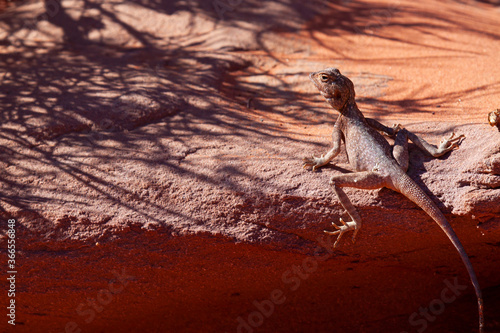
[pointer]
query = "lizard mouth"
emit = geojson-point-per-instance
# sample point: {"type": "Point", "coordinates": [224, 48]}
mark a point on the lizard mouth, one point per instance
{"type": "Point", "coordinates": [326, 95]}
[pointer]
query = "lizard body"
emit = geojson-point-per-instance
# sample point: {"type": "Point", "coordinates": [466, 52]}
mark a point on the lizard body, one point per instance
{"type": "Point", "coordinates": [376, 163]}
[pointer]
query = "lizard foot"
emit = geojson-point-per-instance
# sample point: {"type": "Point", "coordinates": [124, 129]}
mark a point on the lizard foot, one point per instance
{"type": "Point", "coordinates": [314, 162]}
{"type": "Point", "coordinates": [449, 144]}
{"type": "Point", "coordinates": [346, 226]}
{"type": "Point", "coordinates": [395, 129]}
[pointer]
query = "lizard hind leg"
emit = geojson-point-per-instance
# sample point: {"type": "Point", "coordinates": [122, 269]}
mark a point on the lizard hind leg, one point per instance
{"type": "Point", "coordinates": [362, 180]}
{"type": "Point", "coordinates": [354, 224]}
{"type": "Point", "coordinates": [400, 149]}
{"type": "Point", "coordinates": [445, 146]}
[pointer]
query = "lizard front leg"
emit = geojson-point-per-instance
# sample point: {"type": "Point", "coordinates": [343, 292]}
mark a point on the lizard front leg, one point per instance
{"type": "Point", "coordinates": [362, 180]}
{"type": "Point", "coordinates": [389, 131]}
{"type": "Point", "coordinates": [318, 162]}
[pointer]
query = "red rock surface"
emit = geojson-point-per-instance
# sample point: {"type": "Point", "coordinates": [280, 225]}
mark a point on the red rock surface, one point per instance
{"type": "Point", "coordinates": [150, 153]}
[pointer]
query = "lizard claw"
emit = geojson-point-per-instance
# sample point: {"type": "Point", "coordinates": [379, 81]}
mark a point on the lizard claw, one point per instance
{"type": "Point", "coordinates": [450, 143]}
{"type": "Point", "coordinates": [341, 230]}
{"type": "Point", "coordinates": [396, 128]}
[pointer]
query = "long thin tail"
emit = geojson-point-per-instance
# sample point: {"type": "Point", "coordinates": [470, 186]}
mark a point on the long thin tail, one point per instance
{"type": "Point", "coordinates": [412, 191]}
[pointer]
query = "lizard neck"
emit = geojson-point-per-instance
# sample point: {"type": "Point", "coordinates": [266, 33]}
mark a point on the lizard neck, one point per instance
{"type": "Point", "coordinates": [351, 111]}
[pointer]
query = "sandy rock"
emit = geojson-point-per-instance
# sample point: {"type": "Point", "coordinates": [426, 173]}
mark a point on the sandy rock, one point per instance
{"type": "Point", "coordinates": [151, 152]}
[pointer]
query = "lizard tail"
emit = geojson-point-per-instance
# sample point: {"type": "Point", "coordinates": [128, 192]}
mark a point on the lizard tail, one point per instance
{"type": "Point", "coordinates": [406, 186]}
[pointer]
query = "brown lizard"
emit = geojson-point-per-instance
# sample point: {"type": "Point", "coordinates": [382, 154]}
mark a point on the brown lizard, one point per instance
{"type": "Point", "coordinates": [376, 163]}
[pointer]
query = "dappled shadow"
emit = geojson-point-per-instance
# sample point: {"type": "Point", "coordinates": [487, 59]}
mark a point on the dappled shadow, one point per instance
{"type": "Point", "coordinates": [75, 102]}
{"type": "Point", "coordinates": [81, 81]}
{"type": "Point", "coordinates": [152, 113]}
{"type": "Point", "coordinates": [490, 2]}
{"type": "Point", "coordinates": [393, 21]}
{"type": "Point", "coordinates": [424, 106]}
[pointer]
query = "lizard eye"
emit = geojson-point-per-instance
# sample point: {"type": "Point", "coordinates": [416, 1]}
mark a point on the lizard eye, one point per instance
{"type": "Point", "coordinates": [323, 77]}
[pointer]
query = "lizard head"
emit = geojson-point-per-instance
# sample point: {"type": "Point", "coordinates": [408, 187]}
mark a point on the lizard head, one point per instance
{"type": "Point", "coordinates": [335, 87]}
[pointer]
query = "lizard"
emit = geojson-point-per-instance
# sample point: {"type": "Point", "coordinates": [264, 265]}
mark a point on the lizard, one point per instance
{"type": "Point", "coordinates": [376, 163]}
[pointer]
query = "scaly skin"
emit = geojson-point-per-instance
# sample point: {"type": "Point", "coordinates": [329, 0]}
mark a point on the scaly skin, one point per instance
{"type": "Point", "coordinates": [376, 163]}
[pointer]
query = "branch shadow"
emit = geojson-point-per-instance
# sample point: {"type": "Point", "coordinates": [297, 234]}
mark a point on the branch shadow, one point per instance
{"type": "Point", "coordinates": [83, 84]}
